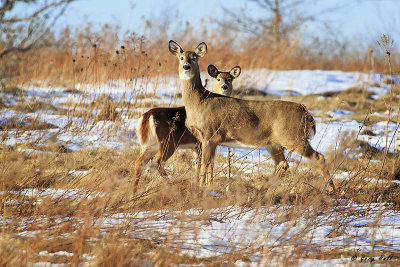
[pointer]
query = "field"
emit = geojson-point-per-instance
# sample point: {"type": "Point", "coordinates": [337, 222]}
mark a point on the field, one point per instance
{"type": "Point", "coordinates": [67, 159]}
{"type": "Point", "coordinates": [68, 112]}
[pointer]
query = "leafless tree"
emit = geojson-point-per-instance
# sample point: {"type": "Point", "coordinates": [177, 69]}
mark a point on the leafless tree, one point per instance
{"type": "Point", "coordinates": [282, 18]}
{"type": "Point", "coordinates": [21, 33]}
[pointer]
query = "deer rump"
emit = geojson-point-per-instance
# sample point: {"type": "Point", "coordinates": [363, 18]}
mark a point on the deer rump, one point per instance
{"type": "Point", "coordinates": [167, 127]}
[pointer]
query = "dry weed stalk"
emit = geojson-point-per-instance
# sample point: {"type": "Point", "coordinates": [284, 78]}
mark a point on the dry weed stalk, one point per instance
{"type": "Point", "coordinates": [90, 57]}
{"type": "Point", "coordinates": [386, 43]}
{"type": "Point", "coordinates": [106, 225]}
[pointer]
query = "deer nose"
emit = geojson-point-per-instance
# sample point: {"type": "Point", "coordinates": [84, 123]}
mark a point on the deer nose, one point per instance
{"type": "Point", "coordinates": [224, 86]}
{"type": "Point", "coordinates": [186, 67]}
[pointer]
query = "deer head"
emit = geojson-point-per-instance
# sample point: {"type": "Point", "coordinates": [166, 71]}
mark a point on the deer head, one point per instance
{"type": "Point", "coordinates": [188, 61]}
{"type": "Point", "coordinates": [223, 80]}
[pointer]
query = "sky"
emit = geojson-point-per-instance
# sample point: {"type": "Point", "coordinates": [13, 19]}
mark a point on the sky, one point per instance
{"type": "Point", "coordinates": [361, 20]}
{"type": "Point", "coordinates": [350, 19]}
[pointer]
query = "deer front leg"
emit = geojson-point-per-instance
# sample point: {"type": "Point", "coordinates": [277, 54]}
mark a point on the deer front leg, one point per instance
{"type": "Point", "coordinates": [207, 162]}
{"type": "Point", "coordinates": [197, 150]}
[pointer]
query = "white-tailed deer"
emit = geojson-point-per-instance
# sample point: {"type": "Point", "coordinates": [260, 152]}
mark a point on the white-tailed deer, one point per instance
{"type": "Point", "coordinates": [214, 118]}
{"type": "Point", "coordinates": [162, 130]}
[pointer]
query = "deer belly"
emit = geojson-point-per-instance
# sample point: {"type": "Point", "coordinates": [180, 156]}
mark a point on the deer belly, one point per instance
{"type": "Point", "coordinates": [187, 146]}
{"type": "Point", "coordinates": [235, 144]}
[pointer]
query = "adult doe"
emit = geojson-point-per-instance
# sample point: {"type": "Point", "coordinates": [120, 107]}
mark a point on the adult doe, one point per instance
{"type": "Point", "coordinates": [214, 119]}
{"type": "Point", "coordinates": [162, 130]}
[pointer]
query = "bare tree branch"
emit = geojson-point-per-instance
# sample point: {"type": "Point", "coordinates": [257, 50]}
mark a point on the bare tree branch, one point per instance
{"type": "Point", "coordinates": [282, 18]}
{"type": "Point", "coordinates": [36, 13]}
{"type": "Point", "coordinates": [21, 34]}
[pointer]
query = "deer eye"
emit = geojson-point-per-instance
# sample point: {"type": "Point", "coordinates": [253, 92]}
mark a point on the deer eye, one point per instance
{"type": "Point", "coordinates": [182, 58]}
{"type": "Point", "coordinates": [193, 59]}
{"type": "Point", "coordinates": [228, 80]}
{"type": "Point", "coordinates": [219, 79]}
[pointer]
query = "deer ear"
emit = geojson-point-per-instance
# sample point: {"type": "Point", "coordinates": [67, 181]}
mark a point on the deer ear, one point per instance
{"type": "Point", "coordinates": [201, 49]}
{"type": "Point", "coordinates": [213, 71]}
{"type": "Point", "coordinates": [174, 48]}
{"type": "Point", "coordinates": [235, 72]}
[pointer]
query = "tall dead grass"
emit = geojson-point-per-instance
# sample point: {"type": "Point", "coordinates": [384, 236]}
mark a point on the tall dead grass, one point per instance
{"type": "Point", "coordinates": [99, 221]}
{"type": "Point", "coordinates": [88, 56]}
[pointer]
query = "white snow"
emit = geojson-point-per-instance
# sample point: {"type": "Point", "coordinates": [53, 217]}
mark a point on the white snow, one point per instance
{"type": "Point", "coordinates": [216, 232]}
{"type": "Point", "coordinates": [109, 134]}
{"type": "Point", "coordinates": [305, 82]}
{"type": "Point", "coordinates": [347, 227]}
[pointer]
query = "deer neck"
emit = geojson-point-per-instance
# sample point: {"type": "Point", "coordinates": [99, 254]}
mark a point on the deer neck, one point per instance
{"type": "Point", "coordinates": [192, 91]}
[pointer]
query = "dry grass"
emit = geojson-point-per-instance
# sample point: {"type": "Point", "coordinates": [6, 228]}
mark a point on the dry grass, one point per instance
{"type": "Point", "coordinates": [82, 225]}
{"type": "Point", "coordinates": [74, 225]}
{"type": "Point", "coordinates": [75, 228]}
{"type": "Point", "coordinates": [96, 57]}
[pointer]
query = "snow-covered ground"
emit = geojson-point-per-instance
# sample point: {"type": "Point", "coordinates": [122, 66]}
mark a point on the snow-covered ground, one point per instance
{"type": "Point", "coordinates": [267, 235]}
{"type": "Point", "coordinates": [233, 228]}
{"type": "Point", "coordinates": [303, 82]}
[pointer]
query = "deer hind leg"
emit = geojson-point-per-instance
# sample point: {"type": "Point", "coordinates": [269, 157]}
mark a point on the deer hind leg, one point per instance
{"type": "Point", "coordinates": [207, 163]}
{"type": "Point", "coordinates": [145, 156]}
{"type": "Point", "coordinates": [166, 151]}
{"type": "Point", "coordinates": [281, 164]}
{"type": "Point", "coordinates": [311, 154]}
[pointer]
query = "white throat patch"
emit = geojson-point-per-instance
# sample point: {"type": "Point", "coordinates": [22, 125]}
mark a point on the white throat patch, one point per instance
{"type": "Point", "coordinates": [187, 75]}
